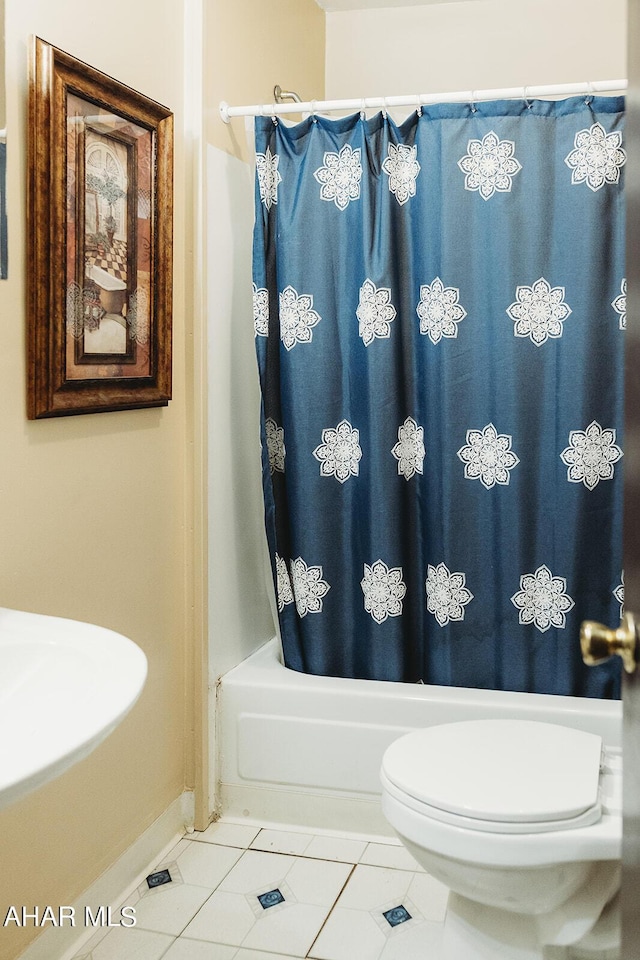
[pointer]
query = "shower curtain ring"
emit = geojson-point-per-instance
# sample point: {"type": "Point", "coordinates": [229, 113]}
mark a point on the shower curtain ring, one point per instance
{"type": "Point", "coordinates": [384, 107]}
{"type": "Point", "coordinates": [526, 98]}
{"type": "Point", "coordinates": [314, 119]}
{"type": "Point", "coordinates": [472, 102]}
{"type": "Point", "coordinates": [273, 115]}
{"type": "Point", "coordinates": [363, 109]}
{"type": "Point", "coordinates": [419, 105]}
{"type": "Point", "coordinates": [589, 97]}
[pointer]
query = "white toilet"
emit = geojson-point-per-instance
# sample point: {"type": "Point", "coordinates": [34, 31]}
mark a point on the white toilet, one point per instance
{"type": "Point", "coordinates": [522, 821]}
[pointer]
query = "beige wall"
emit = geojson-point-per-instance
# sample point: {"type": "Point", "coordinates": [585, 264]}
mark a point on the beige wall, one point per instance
{"type": "Point", "coordinates": [471, 45]}
{"type": "Point", "coordinates": [252, 45]}
{"type": "Point", "coordinates": [92, 508]}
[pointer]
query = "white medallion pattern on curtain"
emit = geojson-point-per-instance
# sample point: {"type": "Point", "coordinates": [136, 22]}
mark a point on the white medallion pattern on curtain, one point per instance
{"type": "Point", "coordinates": [542, 600]}
{"type": "Point", "coordinates": [439, 310]}
{"type": "Point", "coordinates": [409, 450]}
{"type": "Point", "coordinates": [539, 311]}
{"type": "Point", "coordinates": [297, 317]}
{"type": "Point", "coordinates": [340, 452]}
{"type": "Point", "coordinates": [260, 311]}
{"type": "Point", "coordinates": [597, 157]}
{"type": "Point", "coordinates": [402, 167]}
{"type": "Point", "coordinates": [383, 589]}
{"type": "Point", "coordinates": [308, 587]}
{"type": "Point", "coordinates": [591, 455]}
{"type": "Point", "coordinates": [375, 312]}
{"type": "Point", "coordinates": [447, 595]}
{"type": "Point", "coordinates": [268, 177]}
{"type": "Point", "coordinates": [619, 594]}
{"type": "Point", "coordinates": [488, 457]}
{"type": "Point", "coordinates": [284, 589]}
{"type": "Point", "coordinates": [275, 445]}
{"type": "Point", "coordinates": [340, 176]}
{"type": "Point", "coordinates": [489, 165]}
{"type": "Point", "coordinates": [620, 304]}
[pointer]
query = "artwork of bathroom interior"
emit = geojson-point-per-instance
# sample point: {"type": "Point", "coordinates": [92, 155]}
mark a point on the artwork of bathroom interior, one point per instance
{"type": "Point", "coordinates": [324, 694]}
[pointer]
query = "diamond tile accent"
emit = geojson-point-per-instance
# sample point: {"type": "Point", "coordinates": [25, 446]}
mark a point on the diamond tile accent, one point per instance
{"type": "Point", "coordinates": [396, 916]}
{"type": "Point", "coordinates": [270, 899]}
{"type": "Point", "coordinates": [158, 878]}
{"type": "Point", "coordinates": [266, 903]}
{"type": "Point", "coordinates": [166, 876]}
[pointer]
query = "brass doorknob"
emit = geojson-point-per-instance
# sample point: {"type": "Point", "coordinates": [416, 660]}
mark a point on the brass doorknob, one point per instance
{"type": "Point", "coordinates": [598, 642]}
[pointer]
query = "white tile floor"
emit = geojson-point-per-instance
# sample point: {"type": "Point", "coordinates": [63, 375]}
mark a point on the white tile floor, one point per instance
{"type": "Point", "coordinates": [238, 892]}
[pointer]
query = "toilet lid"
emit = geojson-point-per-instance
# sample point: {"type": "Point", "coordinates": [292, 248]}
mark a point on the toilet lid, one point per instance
{"type": "Point", "coordinates": [498, 770]}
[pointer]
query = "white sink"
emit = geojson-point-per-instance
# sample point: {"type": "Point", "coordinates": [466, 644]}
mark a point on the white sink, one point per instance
{"type": "Point", "coordinates": [64, 686]}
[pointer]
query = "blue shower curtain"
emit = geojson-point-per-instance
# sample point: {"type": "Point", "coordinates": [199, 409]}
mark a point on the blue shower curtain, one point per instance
{"type": "Point", "coordinates": [439, 311]}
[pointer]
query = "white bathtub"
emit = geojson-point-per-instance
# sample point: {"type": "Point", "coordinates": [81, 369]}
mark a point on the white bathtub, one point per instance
{"type": "Point", "coordinates": [306, 750]}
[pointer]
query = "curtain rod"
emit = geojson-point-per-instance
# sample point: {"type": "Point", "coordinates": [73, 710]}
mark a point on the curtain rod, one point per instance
{"type": "Point", "coordinates": [423, 99]}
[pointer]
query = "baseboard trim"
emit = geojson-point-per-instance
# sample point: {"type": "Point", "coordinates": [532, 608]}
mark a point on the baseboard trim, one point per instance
{"type": "Point", "coordinates": [314, 811]}
{"type": "Point", "coordinates": [118, 881]}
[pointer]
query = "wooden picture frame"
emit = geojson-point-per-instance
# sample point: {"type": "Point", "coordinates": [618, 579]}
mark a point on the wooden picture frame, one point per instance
{"type": "Point", "coordinates": [100, 212]}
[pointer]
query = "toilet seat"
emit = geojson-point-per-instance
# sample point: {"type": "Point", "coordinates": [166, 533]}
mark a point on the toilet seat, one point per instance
{"type": "Point", "coordinates": [498, 776]}
{"type": "Point", "coordinates": [585, 819]}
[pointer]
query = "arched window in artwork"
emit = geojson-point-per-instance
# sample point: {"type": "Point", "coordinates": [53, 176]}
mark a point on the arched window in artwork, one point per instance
{"type": "Point", "coordinates": [106, 191]}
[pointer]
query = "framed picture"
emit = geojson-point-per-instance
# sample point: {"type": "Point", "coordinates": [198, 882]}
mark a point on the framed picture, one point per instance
{"type": "Point", "coordinates": [100, 212]}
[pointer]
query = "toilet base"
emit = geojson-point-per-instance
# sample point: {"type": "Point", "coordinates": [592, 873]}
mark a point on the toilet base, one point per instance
{"type": "Point", "coordinates": [475, 931]}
